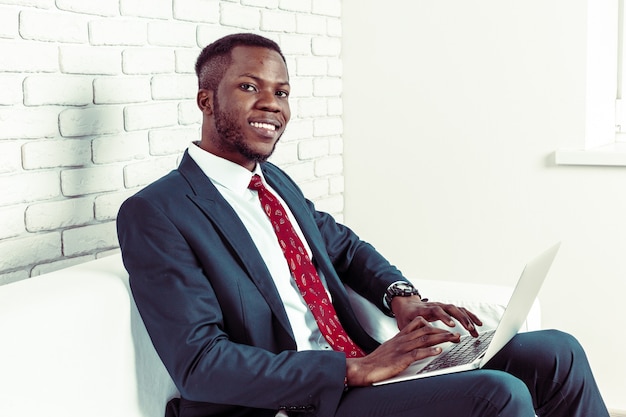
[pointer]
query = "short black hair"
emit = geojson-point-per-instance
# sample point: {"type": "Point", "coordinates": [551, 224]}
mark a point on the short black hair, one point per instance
{"type": "Point", "coordinates": [215, 57]}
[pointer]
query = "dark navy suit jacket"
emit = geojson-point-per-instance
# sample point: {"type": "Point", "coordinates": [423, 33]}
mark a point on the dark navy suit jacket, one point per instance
{"type": "Point", "coordinates": [212, 309]}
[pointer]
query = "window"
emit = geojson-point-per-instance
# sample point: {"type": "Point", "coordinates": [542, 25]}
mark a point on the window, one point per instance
{"type": "Point", "coordinates": [605, 127]}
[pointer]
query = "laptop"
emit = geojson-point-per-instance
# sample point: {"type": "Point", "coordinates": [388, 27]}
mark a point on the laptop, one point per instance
{"type": "Point", "coordinates": [473, 353]}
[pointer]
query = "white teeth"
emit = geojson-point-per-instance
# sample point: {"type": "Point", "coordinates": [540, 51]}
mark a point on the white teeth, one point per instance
{"type": "Point", "coordinates": [266, 126]}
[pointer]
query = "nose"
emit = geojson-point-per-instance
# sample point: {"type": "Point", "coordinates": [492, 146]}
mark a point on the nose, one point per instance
{"type": "Point", "coordinates": [268, 101]}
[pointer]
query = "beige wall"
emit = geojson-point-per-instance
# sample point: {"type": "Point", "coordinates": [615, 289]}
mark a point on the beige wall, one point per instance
{"type": "Point", "coordinates": [452, 113]}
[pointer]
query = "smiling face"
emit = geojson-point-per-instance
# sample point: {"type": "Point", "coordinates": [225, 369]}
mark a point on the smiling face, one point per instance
{"type": "Point", "coordinates": [244, 119]}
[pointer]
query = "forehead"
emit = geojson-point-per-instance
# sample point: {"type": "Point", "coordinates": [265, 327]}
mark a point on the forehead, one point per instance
{"type": "Point", "coordinates": [258, 61]}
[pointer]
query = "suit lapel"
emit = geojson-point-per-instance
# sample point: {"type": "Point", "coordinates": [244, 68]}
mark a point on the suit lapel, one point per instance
{"type": "Point", "coordinates": [307, 224]}
{"type": "Point", "coordinates": [208, 199]}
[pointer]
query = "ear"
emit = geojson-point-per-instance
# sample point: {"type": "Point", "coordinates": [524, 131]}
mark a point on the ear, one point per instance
{"type": "Point", "coordinates": [205, 101]}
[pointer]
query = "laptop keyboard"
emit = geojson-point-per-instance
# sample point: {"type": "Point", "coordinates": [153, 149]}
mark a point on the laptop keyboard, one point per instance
{"type": "Point", "coordinates": [466, 351]}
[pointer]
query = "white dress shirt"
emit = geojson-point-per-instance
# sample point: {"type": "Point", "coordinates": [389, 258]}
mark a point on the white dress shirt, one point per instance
{"type": "Point", "coordinates": [232, 180]}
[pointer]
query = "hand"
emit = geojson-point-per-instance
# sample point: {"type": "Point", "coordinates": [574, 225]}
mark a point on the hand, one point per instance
{"type": "Point", "coordinates": [407, 308]}
{"type": "Point", "coordinates": [417, 340]}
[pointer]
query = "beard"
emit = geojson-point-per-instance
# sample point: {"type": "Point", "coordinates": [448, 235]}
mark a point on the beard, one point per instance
{"type": "Point", "coordinates": [231, 137]}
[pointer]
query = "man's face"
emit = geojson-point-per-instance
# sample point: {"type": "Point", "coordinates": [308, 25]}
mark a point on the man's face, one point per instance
{"type": "Point", "coordinates": [250, 107]}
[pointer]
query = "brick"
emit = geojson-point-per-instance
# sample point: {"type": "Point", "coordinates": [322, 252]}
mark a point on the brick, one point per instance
{"type": "Point", "coordinates": [27, 187]}
{"type": "Point", "coordinates": [328, 126]}
{"type": "Point", "coordinates": [301, 87]}
{"type": "Point", "coordinates": [116, 148]}
{"type": "Point", "coordinates": [57, 265]}
{"type": "Point", "coordinates": [285, 153]}
{"type": "Point", "coordinates": [332, 204]}
{"type": "Point", "coordinates": [295, 44]}
{"type": "Point", "coordinates": [311, 24]}
{"type": "Point", "coordinates": [83, 181]}
{"type": "Point", "coordinates": [100, 7]}
{"type": "Point", "coordinates": [56, 153]}
{"type": "Point", "coordinates": [311, 66]}
{"type": "Point", "coordinates": [148, 60]}
{"type": "Point", "coordinates": [148, 116]}
{"type": "Point", "coordinates": [109, 252]}
{"type": "Point", "coordinates": [268, 4]}
{"type": "Point", "coordinates": [188, 113]}
{"type": "Point", "coordinates": [302, 171]}
{"type": "Point", "coordinates": [107, 205]}
{"type": "Point", "coordinates": [206, 11]}
{"type": "Point", "coordinates": [11, 89]}
{"type": "Point", "coordinates": [41, 4]}
{"type": "Point", "coordinates": [327, 87]}
{"type": "Point", "coordinates": [29, 250]}
{"type": "Point", "coordinates": [97, 120]}
{"type": "Point", "coordinates": [156, 9]}
{"type": "Point", "coordinates": [28, 123]}
{"type": "Point", "coordinates": [11, 221]}
{"type": "Point", "coordinates": [330, 165]}
{"type": "Point", "coordinates": [335, 67]}
{"type": "Point", "coordinates": [337, 184]}
{"type": "Point", "coordinates": [295, 5]}
{"type": "Point", "coordinates": [90, 60]}
{"type": "Point", "coordinates": [278, 21]}
{"type": "Point", "coordinates": [298, 129]}
{"type": "Point", "coordinates": [171, 141]}
{"type": "Point", "coordinates": [312, 107]}
{"type": "Point", "coordinates": [334, 27]}
{"type": "Point", "coordinates": [174, 87]}
{"type": "Point", "coordinates": [336, 145]}
{"type": "Point", "coordinates": [335, 106]}
{"type": "Point", "coordinates": [50, 26]}
{"type": "Point", "coordinates": [186, 60]}
{"type": "Point", "coordinates": [121, 90]}
{"type": "Point", "coordinates": [89, 238]}
{"type": "Point", "coordinates": [143, 173]}
{"type": "Point", "coordinates": [59, 214]}
{"type": "Point", "coordinates": [207, 34]}
{"type": "Point", "coordinates": [34, 57]}
{"type": "Point", "coordinates": [9, 22]}
{"type": "Point", "coordinates": [172, 34]}
{"type": "Point", "coordinates": [118, 32]}
{"type": "Point", "coordinates": [315, 189]}
{"type": "Point", "coordinates": [62, 90]}
{"type": "Point", "coordinates": [313, 149]}
{"type": "Point", "coordinates": [326, 46]}
{"type": "Point", "coordinates": [327, 7]}
{"type": "Point", "coordinates": [14, 276]}
{"type": "Point", "coordinates": [10, 157]}
{"type": "Point", "coordinates": [239, 16]}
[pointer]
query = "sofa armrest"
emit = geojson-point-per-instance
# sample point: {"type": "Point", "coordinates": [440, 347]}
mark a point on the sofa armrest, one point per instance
{"type": "Point", "coordinates": [486, 301]}
{"type": "Point", "coordinates": [73, 345]}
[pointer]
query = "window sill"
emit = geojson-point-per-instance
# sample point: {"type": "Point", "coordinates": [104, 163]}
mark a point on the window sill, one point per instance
{"type": "Point", "coordinates": [613, 154]}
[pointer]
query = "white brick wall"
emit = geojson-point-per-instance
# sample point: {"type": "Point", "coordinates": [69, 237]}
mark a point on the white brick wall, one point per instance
{"type": "Point", "coordinates": [97, 99]}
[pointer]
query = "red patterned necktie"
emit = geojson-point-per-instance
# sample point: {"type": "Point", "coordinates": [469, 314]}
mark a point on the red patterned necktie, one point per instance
{"type": "Point", "coordinates": [304, 273]}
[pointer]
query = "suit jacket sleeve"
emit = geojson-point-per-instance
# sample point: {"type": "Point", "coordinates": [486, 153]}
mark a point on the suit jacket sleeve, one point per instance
{"type": "Point", "coordinates": [198, 315]}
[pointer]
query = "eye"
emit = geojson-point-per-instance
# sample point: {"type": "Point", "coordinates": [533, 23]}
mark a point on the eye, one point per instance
{"type": "Point", "coordinates": [247, 87]}
{"type": "Point", "coordinates": [282, 93]}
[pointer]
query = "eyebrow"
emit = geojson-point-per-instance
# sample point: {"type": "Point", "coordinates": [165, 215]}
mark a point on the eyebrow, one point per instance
{"type": "Point", "coordinates": [260, 80]}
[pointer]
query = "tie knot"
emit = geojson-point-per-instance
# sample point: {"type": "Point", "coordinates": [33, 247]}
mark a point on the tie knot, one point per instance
{"type": "Point", "coordinates": [256, 183]}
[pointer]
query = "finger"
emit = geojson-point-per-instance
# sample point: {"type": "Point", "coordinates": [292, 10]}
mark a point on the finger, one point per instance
{"type": "Point", "coordinates": [474, 317]}
{"type": "Point", "coordinates": [425, 337]}
{"type": "Point", "coordinates": [426, 352]}
{"type": "Point", "coordinates": [417, 323]}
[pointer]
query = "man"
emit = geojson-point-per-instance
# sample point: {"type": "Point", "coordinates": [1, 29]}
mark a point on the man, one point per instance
{"type": "Point", "coordinates": [233, 270]}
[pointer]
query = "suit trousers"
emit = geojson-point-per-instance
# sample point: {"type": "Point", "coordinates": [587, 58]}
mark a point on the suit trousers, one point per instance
{"type": "Point", "coordinates": [544, 373]}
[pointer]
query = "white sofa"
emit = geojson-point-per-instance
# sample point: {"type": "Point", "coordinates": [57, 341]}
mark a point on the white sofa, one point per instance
{"type": "Point", "coordinates": [73, 345]}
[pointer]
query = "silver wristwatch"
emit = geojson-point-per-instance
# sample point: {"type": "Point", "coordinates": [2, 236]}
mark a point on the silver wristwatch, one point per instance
{"type": "Point", "coordinates": [399, 289]}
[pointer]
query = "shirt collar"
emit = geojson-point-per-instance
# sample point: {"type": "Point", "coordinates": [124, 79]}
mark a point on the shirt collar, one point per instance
{"type": "Point", "coordinates": [222, 171]}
